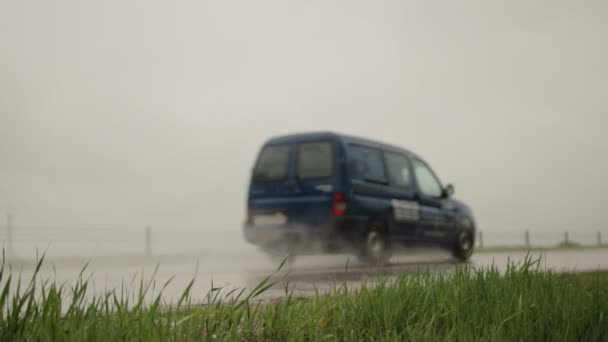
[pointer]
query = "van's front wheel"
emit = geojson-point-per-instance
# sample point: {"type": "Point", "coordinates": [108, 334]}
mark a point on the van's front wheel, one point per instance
{"type": "Point", "coordinates": [375, 249]}
{"type": "Point", "coordinates": [463, 246]}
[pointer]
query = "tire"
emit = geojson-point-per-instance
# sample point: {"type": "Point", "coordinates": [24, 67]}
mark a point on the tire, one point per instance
{"type": "Point", "coordinates": [463, 246]}
{"type": "Point", "coordinates": [375, 249]}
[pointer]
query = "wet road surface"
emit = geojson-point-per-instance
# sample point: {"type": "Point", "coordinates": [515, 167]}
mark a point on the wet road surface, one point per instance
{"type": "Point", "coordinates": [306, 276]}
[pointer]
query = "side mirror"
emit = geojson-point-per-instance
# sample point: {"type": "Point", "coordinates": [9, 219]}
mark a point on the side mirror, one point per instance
{"type": "Point", "coordinates": [448, 191]}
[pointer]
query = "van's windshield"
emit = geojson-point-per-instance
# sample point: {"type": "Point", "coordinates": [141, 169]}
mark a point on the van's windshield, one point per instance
{"type": "Point", "coordinates": [272, 164]}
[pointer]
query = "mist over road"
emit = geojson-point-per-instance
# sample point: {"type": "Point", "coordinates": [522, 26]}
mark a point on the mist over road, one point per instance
{"type": "Point", "coordinates": [304, 277]}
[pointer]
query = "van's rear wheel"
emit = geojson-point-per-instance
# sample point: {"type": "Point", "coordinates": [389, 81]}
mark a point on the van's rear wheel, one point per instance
{"type": "Point", "coordinates": [463, 246]}
{"type": "Point", "coordinates": [375, 249]}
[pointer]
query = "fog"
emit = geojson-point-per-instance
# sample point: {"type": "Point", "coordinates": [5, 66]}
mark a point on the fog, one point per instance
{"type": "Point", "coordinates": [127, 114]}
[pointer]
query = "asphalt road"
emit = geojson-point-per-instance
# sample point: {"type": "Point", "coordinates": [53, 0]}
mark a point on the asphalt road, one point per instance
{"type": "Point", "coordinates": [304, 277]}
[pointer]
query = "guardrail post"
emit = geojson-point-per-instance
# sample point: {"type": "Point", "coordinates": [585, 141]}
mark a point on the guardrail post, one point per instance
{"type": "Point", "coordinates": [527, 238]}
{"type": "Point", "coordinates": [148, 241]}
{"type": "Point", "coordinates": [566, 240]}
{"type": "Point", "coordinates": [599, 238]}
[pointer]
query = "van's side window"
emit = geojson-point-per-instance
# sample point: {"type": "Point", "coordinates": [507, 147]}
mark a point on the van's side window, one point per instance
{"type": "Point", "coordinates": [272, 164]}
{"type": "Point", "coordinates": [398, 167]}
{"type": "Point", "coordinates": [315, 160]}
{"type": "Point", "coordinates": [367, 164]}
{"type": "Point", "coordinates": [428, 183]}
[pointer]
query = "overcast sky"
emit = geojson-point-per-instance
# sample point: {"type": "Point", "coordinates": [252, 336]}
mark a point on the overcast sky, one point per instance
{"type": "Point", "coordinates": [127, 113]}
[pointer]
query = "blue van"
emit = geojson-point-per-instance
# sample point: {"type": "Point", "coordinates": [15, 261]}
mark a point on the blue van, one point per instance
{"type": "Point", "coordinates": [328, 192]}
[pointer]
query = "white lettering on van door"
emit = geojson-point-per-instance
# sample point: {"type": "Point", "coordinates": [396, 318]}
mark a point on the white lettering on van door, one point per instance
{"type": "Point", "coordinates": [406, 211]}
{"type": "Point", "coordinates": [324, 188]}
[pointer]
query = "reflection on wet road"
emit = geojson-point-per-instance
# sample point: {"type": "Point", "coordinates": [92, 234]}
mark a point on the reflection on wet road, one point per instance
{"type": "Point", "coordinates": [311, 275]}
{"type": "Point", "coordinates": [304, 277]}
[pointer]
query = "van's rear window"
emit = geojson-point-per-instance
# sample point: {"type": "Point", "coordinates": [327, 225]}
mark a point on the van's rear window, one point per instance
{"type": "Point", "coordinates": [272, 164]}
{"type": "Point", "coordinates": [315, 160]}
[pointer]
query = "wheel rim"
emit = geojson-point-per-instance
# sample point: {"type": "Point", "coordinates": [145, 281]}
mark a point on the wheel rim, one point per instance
{"type": "Point", "coordinates": [465, 242]}
{"type": "Point", "coordinates": [375, 245]}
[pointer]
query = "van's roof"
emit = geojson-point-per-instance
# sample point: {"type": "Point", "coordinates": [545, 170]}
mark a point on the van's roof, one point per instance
{"type": "Point", "coordinates": [312, 136]}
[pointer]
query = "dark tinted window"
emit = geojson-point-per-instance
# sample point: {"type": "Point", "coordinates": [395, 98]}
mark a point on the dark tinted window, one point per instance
{"type": "Point", "coordinates": [398, 168]}
{"type": "Point", "coordinates": [272, 164]}
{"type": "Point", "coordinates": [315, 160]}
{"type": "Point", "coordinates": [367, 164]}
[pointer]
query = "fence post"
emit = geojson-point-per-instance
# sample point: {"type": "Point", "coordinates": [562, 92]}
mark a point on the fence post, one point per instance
{"type": "Point", "coordinates": [566, 240]}
{"type": "Point", "coordinates": [527, 238]}
{"type": "Point", "coordinates": [9, 234]}
{"type": "Point", "coordinates": [599, 238]}
{"type": "Point", "coordinates": [148, 241]}
{"type": "Point", "coordinates": [480, 239]}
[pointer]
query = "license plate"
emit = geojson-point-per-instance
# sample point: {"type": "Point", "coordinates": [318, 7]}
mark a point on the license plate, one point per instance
{"type": "Point", "coordinates": [269, 220]}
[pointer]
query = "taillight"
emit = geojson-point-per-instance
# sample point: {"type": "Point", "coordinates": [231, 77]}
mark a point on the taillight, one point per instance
{"type": "Point", "coordinates": [338, 207]}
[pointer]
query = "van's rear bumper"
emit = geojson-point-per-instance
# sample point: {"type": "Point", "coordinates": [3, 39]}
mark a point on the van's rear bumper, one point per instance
{"type": "Point", "coordinates": [338, 234]}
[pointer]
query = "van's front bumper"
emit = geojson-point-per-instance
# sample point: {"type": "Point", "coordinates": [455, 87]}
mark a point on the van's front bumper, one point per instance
{"type": "Point", "coordinates": [338, 234]}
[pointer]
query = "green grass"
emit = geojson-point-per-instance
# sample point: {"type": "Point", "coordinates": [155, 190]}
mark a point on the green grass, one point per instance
{"type": "Point", "coordinates": [521, 303]}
